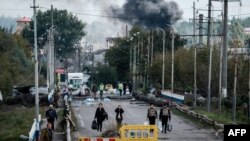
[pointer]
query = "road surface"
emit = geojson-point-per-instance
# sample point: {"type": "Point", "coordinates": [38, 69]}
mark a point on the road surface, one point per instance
{"type": "Point", "coordinates": [183, 130]}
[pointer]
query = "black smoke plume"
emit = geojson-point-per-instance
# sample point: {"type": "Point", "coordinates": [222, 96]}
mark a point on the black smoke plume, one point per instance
{"type": "Point", "coordinates": [149, 13]}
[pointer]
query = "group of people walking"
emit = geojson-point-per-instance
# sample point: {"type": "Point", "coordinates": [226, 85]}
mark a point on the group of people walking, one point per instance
{"type": "Point", "coordinates": [164, 117]}
{"type": "Point", "coordinates": [152, 115]}
{"type": "Point", "coordinates": [121, 87]}
{"type": "Point", "coordinates": [101, 115]}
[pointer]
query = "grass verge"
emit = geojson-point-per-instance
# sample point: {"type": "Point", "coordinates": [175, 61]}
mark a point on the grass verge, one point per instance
{"type": "Point", "coordinates": [16, 120]}
{"type": "Point", "coordinates": [193, 120]}
{"type": "Point", "coordinates": [224, 119]}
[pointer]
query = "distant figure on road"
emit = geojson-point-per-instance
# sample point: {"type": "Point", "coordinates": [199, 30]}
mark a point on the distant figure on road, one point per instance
{"type": "Point", "coordinates": [56, 97]}
{"type": "Point", "coordinates": [152, 114]}
{"type": "Point", "coordinates": [67, 116]}
{"type": "Point", "coordinates": [124, 88]}
{"type": "Point", "coordinates": [100, 116]}
{"type": "Point", "coordinates": [51, 115]}
{"type": "Point", "coordinates": [120, 88]}
{"type": "Point", "coordinates": [94, 90]}
{"type": "Point", "coordinates": [101, 88]}
{"type": "Point", "coordinates": [119, 111]}
{"type": "Point", "coordinates": [47, 134]}
{"type": "Point", "coordinates": [130, 86]}
{"type": "Point", "coordinates": [165, 117]}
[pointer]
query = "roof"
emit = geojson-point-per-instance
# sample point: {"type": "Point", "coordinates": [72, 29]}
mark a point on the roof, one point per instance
{"type": "Point", "coordinates": [24, 19]}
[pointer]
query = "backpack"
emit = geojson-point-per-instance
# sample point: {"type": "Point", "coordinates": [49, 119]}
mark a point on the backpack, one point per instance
{"type": "Point", "coordinates": [152, 112]}
{"type": "Point", "coordinates": [51, 114]}
{"type": "Point", "coordinates": [165, 112]}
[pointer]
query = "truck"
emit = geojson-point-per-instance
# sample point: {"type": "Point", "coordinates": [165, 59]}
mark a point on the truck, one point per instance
{"type": "Point", "coordinates": [76, 80]}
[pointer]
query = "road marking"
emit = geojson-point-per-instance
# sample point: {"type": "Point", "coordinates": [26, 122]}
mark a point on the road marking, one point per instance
{"type": "Point", "coordinates": [80, 117]}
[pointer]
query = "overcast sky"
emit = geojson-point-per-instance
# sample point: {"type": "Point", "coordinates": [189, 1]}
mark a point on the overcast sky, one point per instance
{"type": "Point", "coordinates": [100, 27]}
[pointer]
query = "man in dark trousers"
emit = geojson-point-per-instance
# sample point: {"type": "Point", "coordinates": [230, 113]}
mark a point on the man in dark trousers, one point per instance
{"type": "Point", "coordinates": [51, 115]}
{"type": "Point", "coordinates": [152, 114]}
{"type": "Point", "coordinates": [119, 111]}
{"type": "Point", "coordinates": [165, 117]}
{"type": "Point", "coordinates": [100, 115]}
{"type": "Point", "coordinates": [124, 88]}
{"type": "Point", "coordinates": [130, 86]}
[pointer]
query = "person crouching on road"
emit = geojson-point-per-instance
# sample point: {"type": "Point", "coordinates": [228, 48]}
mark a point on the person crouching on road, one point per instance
{"type": "Point", "coordinates": [119, 111]}
{"type": "Point", "coordinates": [152, 114]}
{"type": "Point", "coordinates": [100, 116]}
{"type": "Point", "coordinates": [51, 115]}
{"type": "Point", "coordinates": [165, 117]}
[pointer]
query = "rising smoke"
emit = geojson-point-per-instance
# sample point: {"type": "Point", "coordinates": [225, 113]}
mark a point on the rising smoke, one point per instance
{"type": "Point", "coordinates": [149, 13]}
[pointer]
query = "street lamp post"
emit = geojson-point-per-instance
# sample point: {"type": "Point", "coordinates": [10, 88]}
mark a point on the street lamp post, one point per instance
{"type": "Point", "coordinates": [134, 62]}
{"type": "Point", "coordinates": [36, 72]}
{"type": "Point", "coordinates": [172, 72]}
{"type": "Point", "coordinates": [163, 56]}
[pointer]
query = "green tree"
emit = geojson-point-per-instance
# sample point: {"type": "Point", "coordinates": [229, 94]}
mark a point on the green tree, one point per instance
{"type": "Point", "coordinates": [68, 31]}
{"type": "Point", "coordinates": [15, 66]}
{"type": "Point", "coordinates": [105, 74]}
{"type": "Point", "coordinates": [118, 57]}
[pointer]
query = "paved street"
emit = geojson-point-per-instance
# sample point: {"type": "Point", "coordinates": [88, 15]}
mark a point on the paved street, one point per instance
{"type": "Point", "coordinates": [183, 130]}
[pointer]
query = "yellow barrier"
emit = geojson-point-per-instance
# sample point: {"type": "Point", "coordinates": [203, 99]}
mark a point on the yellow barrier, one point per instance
{"type": "Point", "coordinates": [139, 132]}
{"type": "Point", "coordinates": [96, 139]}
{"type": "Point", "coordinates": [131, 133]}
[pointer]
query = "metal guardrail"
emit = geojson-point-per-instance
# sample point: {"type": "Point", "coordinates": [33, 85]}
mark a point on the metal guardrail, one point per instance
{"type": "Point", "coordinates": [33, 129]}
{"type": "Point", "coordinates": [68, 134]}
{"type": "Point", "coordinates": [218, 127]}
{"type": "Point", "coordinates": [68, 131]}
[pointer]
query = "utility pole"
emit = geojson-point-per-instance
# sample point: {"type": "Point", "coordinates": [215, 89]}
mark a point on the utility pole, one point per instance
{"type": "Point", "coordinates": [172, 72]}
{"type": "Point", "coordinates": [248, 81]}
{"type": "Point", "coordinates": [152, 48]}
{"type": "Point", "coordinates": [134, 69]}
{"type": "Point", "coordinates": [163, 56]}
{"type": "Point", "coordinates": [224, 56]}
{"type": "Point", "coordinates": [220, 76]}
{"type": "Point", "coordinates": [210, 55]}
{"type": "Point", "coordinates": [235, 81]}
{"type": "Point", "coordinates": [36, 72]}
{"type": "Point", "coordinates": [200, 29]}
{"type": "Point", "coordinates": [148, 48]}
{"type": "Point", "coordinates": [195, 54]}
{"type": "Point", "coordinates": [52, 49]}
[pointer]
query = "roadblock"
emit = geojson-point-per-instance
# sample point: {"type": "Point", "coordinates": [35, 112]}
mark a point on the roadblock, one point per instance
{"type": "Point", "coordinates": [131, 133]}
{"type": "Point", "coordinates": [138, 132]}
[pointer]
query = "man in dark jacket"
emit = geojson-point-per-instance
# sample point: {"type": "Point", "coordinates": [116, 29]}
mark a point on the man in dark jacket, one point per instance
{"type": "Point", "coordinates": [51, 115]}
{"type": "Point", "coordinates": [119, 111]}
{"type": "Point", "coordinates": [100, 115]}
{"type": "Point", "coordinates": [165, 117]}
{"type": "Point", "coordinates": [152, 114]}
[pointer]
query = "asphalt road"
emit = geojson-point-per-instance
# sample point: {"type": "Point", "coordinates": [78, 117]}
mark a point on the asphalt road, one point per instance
{"type": "Point", "coordinates": [183, 130]}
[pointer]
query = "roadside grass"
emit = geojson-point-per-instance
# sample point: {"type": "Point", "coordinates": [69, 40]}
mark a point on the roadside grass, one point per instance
{"type": "Point", "coordinates": [193, 120]}
{"type": "Point", "coordinates": [224, 118]}
{"type": "Point", "coordinates": [16, 120]}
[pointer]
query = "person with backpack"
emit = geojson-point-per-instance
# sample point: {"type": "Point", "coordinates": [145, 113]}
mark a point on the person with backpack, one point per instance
{"type": "Point", "coordinates": [119, 111]}
{"type": "Point", "coordinates": [165, 117]}
{"type": "Point", "coordinates": [100, 116]}
{"type": "Point", "coordinates": [152, 114]}
{"type": "Point", "coordinates": [51, 115]}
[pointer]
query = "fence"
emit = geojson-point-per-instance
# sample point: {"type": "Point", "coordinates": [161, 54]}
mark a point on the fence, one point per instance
{"type": "Point", "coordinates": [217, 126]}
{"type": "Point", "coordinates": [33, 129]}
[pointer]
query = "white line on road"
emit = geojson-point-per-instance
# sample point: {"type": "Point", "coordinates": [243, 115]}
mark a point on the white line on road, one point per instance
{"type": "Point", "coordinates": [80, 117]}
